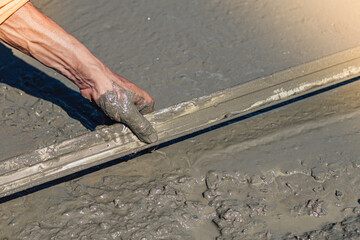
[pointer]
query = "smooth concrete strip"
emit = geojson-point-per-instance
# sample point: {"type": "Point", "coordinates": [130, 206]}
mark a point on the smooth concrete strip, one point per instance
{"type": "Point", "coordinates": [116, 141]}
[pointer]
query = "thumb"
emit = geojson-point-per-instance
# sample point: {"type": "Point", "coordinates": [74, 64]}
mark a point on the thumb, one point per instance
{"type": "Point", "coordinates": [139, 125]}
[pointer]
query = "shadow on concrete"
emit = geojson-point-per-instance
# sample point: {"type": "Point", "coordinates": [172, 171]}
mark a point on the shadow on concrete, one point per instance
{"type": "Point", "coordinates": [19, 74]}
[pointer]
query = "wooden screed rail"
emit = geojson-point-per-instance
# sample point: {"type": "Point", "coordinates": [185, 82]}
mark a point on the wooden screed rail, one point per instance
{"type": "Point", "coordinates": [109, 143]}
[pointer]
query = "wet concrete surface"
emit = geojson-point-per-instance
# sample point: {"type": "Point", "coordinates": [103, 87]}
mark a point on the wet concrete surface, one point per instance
{"type": "Point", "coordinates": [291, 173]}
{"type": "Point", "coordinates": [174, 50]}
{"type": "Point", "coordinates": [194, 48]}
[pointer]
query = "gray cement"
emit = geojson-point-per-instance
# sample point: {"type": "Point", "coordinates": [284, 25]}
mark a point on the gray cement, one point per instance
{"type": "Point", "coordinates": [292, 173]}
{"type": "Point", "coordinates": [178, 50]}
{"type": "Point", "coordinates": [174, 50]}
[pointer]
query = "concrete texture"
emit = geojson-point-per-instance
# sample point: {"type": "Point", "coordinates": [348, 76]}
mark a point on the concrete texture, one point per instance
{"type": "Point", "coordinates": [175, 50]}
{"type": "Point", "coordinates": [292, 173]}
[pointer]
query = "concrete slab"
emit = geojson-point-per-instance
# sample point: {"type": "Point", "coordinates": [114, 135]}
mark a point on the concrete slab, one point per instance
{"type": "Point", "coordinates": [116, 141]}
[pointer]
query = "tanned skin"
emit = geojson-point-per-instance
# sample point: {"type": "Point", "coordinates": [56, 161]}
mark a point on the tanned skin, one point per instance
{"type": "Point", "coordinates": [34, 34]}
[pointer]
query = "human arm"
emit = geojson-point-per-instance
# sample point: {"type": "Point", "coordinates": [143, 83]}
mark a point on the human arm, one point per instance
{"type": "Point", "coordinates": [33, 33]}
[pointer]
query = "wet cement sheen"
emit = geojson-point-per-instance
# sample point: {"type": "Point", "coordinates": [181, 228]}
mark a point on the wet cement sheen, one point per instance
{"type": "Point", "coordinates": [175, 50]}
{"type": "Point", "coordinates": [178, 50]}
{"type": "Point", "coordinates": [292, 173]}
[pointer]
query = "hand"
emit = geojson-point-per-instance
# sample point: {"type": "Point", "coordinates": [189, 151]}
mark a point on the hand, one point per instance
{"type": "Point", "coordinates": [33, 33]}
{"type": "Point", "coordinates": [126, 104]}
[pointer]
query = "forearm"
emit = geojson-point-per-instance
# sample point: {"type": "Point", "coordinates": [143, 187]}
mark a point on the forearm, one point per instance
{"type": "Point", "coordinates": [31, 32]}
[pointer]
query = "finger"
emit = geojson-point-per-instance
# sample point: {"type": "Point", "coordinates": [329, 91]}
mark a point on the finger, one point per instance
{"type": "Point", "coordinates": [142, 105]}
{"type": "Point", "coordinates": [145, 108]}
{"type": "Point", "coordinates": [139, 125]}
